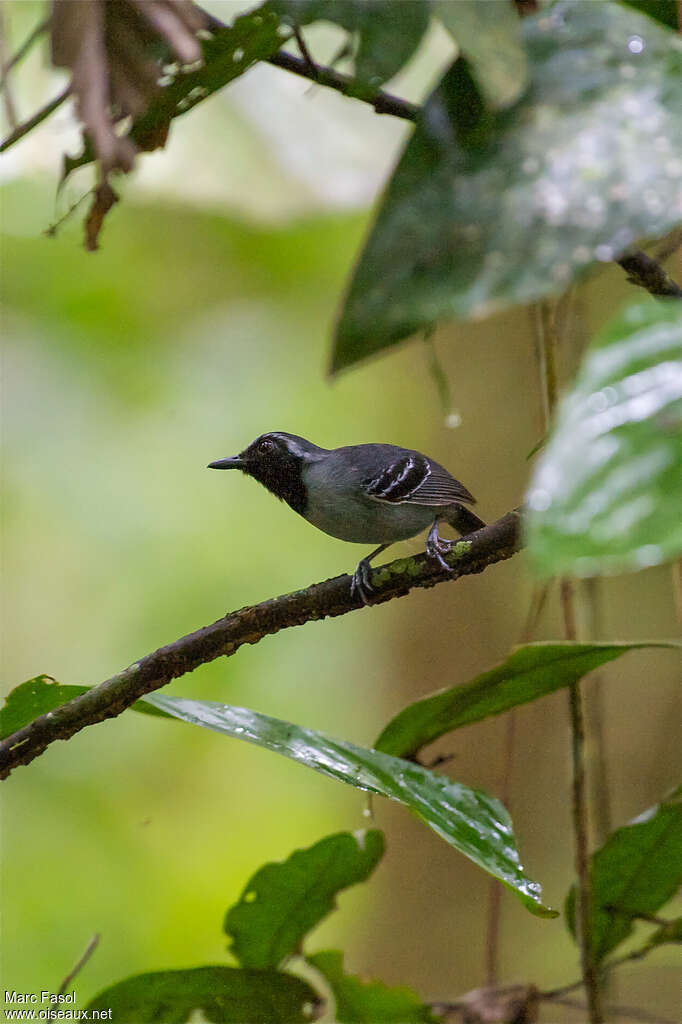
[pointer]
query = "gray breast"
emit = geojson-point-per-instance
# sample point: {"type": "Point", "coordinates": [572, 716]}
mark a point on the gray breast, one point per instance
{"type": "Point", "coordinates": [338, 506]}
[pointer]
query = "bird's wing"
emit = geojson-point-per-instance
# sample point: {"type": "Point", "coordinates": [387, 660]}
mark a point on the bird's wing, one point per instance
{"type": "Point", "coordinates": [411, 477]}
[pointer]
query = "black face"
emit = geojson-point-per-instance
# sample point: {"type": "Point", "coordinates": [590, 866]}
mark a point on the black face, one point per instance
{"type": "Point", "coordinates": [276, 462]}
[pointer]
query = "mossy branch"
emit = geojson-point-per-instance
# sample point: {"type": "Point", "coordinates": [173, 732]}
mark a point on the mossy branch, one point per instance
{"type": "Point", "coordinates": [248, 625]}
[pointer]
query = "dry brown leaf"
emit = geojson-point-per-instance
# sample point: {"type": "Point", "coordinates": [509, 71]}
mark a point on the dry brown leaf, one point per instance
{"type": "Point", "coordinates": [103, 199]}
{"type": "Point", "coordinates": [110, 47]}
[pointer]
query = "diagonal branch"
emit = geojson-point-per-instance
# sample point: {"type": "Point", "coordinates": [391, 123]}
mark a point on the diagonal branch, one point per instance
{"type": "Point", "coordinates": [223, 638]}
{"type": "Point", "coordinates": [646, 272]}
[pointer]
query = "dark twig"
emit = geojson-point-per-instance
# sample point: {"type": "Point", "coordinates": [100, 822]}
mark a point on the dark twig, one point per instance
{"type": "Point", "coordinates": [51, 231]}
{"type": "Point", "coordinates": [491, 544]}
{"type": "Point", "coordinates": [33, 122]}
{"type": "Point", "coordinates": [37, 32]}
{"type": "Point", "coordinates": [80, 964]}
{"type": "Point", "coordinates": [305, 53]}
{"type": "Point", "coordinates": [644, 271]}
{"type": "Point", "coordinates": [5, 85]}
{"type": "Point", "coordinates": [383, 102]}
{"type": "Point", "coordinates": [305, 67]}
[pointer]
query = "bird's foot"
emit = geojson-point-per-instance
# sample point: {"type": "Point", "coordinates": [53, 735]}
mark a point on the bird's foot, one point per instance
{"type": "Point", "coordinates": [360, 585]}
{"type": "Point", "coordinates": [436, 547]}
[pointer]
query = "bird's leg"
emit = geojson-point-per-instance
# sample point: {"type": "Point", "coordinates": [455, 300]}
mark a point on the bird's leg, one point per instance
{"type": "Point", "coordinates": [437, 546]}
{"type": "Point", "coordinates": [360, 584]}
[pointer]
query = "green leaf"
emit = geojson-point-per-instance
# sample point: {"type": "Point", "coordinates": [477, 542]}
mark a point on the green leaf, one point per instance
{"type": "Point", "coordinates": [489, 36]}
{"type": "Point", "coordinates": [528, 673]}
{"type": "Point", "coordinates": [464, 231]}
{"type": "Point", "coordinates": [33, 698]}
{"type": "Point", "coordinates": [475, 824]}
{"type": "Point", "coordinates": [226, 55]}
{"type": "Point", "coordinates": [664, 11]}
{"type": "Point", "coordinates": [283, 902]}
{"type": "Point", "coordinates": [38, 696]}
{"type": "Point", "coordinates": [607, 491]}
{"type": "Point", "coordinates": [636, 872]}
{"type": "Point", "coordinates": [389, 34]}
{"type": "Point", "coordinates": [223, 994]}
{"type": "Point", "coordinates": [368, 1002]}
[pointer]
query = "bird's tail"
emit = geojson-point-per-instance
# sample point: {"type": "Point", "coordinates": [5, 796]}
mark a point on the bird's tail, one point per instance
{"type": "Point", "coordinates": [463, 520]}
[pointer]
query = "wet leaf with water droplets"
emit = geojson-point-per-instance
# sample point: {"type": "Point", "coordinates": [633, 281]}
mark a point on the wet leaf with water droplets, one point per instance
{"type": "Point", "coordinates": [478, 217]}
{"type": "Point", "coordinates": [475, 824]}
{"type": "Point", "coordinates": [282, 902]}
{"type": "Point", "coordinates": [607, 492]}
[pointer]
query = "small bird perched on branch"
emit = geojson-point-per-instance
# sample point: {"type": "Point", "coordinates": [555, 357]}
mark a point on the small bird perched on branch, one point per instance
{"type": "Point", "coordinates": [364, 493]}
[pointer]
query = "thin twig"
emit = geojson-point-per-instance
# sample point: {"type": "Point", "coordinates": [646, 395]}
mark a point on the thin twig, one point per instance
{"type": "Point", "coordinates": [491, 544]}
{"type": "Point", "coordinates": [51, 231]}
{"type": "Point", "coordinates": [80, 964]}
{"type": "Point", "coordinates": [596, 718]}
{"type": "Point", "coordinates": [5, 85]}
{"type": "Point", "coordinates": [33, 122]}
{"type": "Point", "coordinates": [383, 102]}
{"type": "Point", "coordinates": [37, 32]}
{"type": "Point", "coordinates": [305, 67]}
{"type": "Point", "coordinates": [493, 929]}
{"type": "Point", "coordinates": [305, 53]}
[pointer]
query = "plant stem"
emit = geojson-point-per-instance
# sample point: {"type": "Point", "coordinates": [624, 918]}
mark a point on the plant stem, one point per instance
{"type": "Point", "coordinates": [33, 122]}
{"type": "Point", "coordinates": [37, 32]}
{"type": "Point", "coordinates": [548, 337]}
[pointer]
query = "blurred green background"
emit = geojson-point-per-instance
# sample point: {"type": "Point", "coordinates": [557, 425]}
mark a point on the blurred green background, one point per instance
{"type": "Point", "coordinates": [204, 320]}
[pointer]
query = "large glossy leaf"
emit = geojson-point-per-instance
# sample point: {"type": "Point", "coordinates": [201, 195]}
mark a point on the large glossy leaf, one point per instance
{"type": "Point", "coordinates": [475, 824]}
{"type": "Point", "coordinates": [528, 673]}
{"type": "Point", "coordinates": [607, 492]}
{"type": "Point", "coordinates": [368, 1002]}
{"type": "Point", "coordinates": [557, 182]}
{"type": "Point", "coordinates": [489, 36]}
{"type": "Point", "coordinates": [282, 902]}
{"type": "Point", "coordinates": [223, 994]}
{"type": "Point", "coordinates": [388, 34]}
{"type": "Point", "coordinates": [636, 872]}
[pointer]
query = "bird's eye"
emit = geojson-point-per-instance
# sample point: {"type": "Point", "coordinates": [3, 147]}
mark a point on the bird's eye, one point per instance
{"type": "Point", "coordinates": [265, 445]}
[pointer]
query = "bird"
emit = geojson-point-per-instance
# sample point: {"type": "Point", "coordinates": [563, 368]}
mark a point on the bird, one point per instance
{"type": "Point", "coordinates": [362, 493]}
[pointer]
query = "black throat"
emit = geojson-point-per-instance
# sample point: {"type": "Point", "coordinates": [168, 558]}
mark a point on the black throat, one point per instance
{"type": "Point", "coordinates": [283, 477]}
